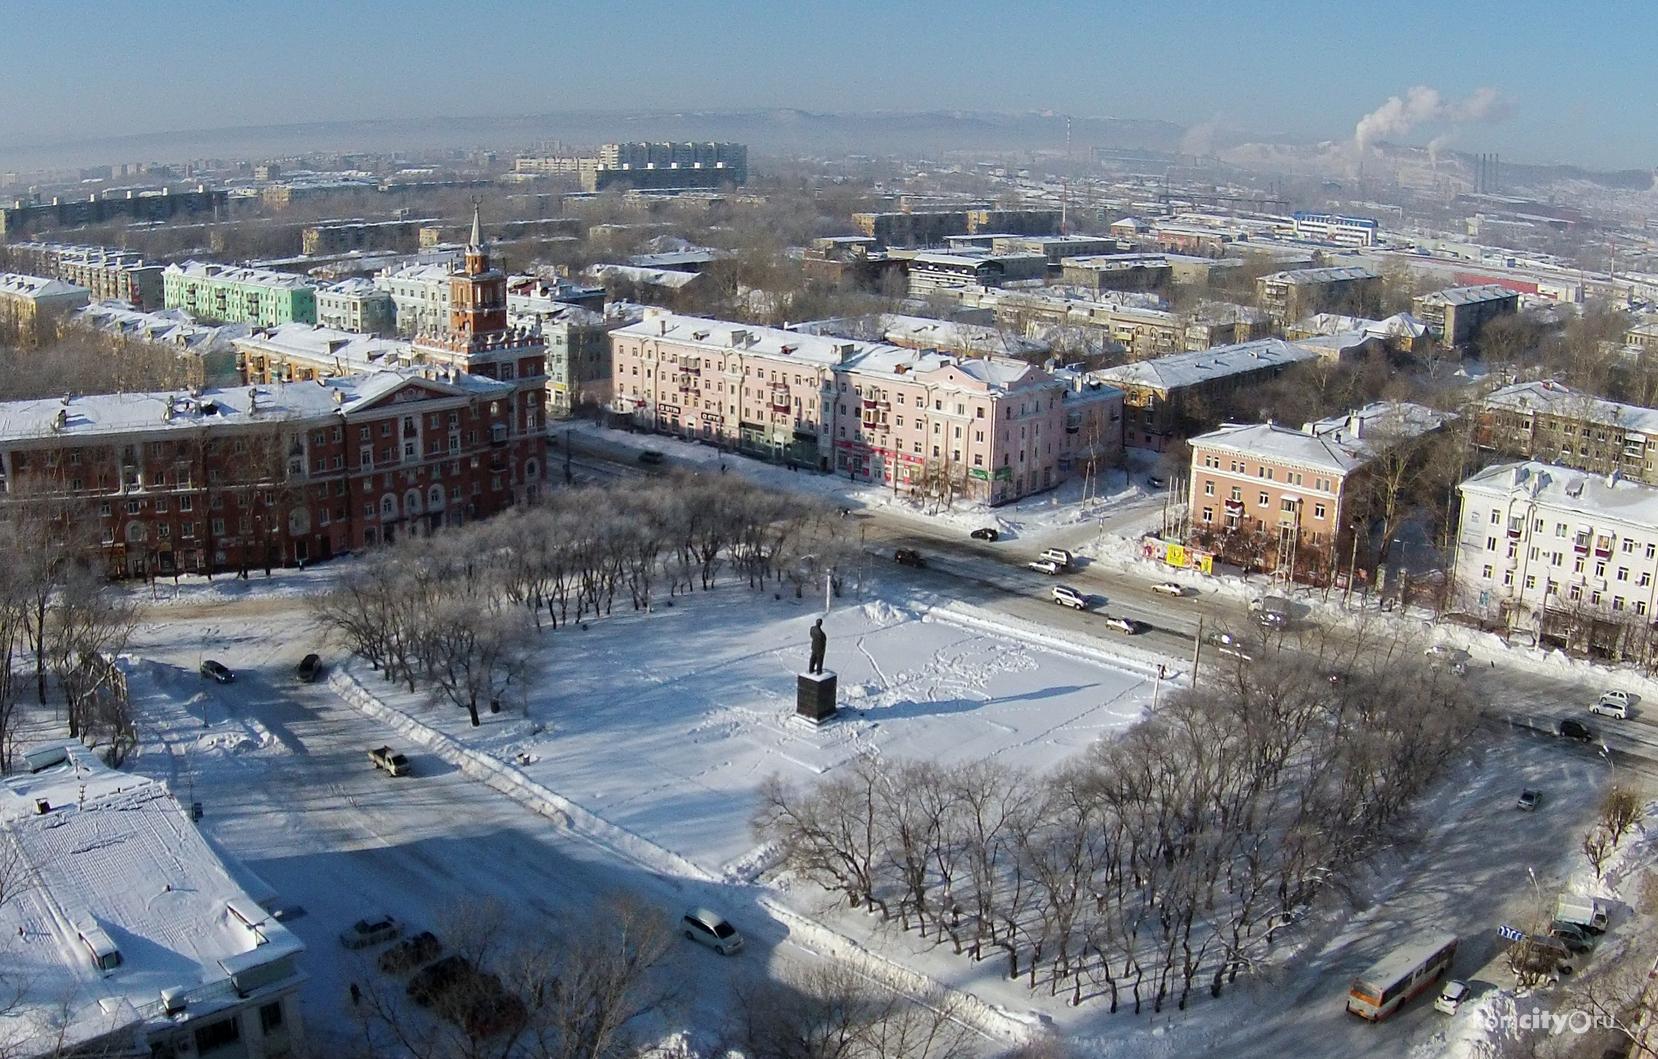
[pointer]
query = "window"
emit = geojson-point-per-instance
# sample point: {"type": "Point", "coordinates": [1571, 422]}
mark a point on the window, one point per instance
{"type": "Point", "coordinates": [1208, 488]}
{"type": "Point", "coordinates": [1318, 511]}
{"type": "Point", "coordinates": [1496, 517]}
{"type": "Point", "coordinates": [218, 527]}
{"type": "Point", "coordinates": [186, 503]}
{"type": "Point", "coordinates": [1265, 499]}
{"type": "Point", "coordinates": [1623, 573]}
{"type": "Point", "coordinates": [1490, 544]}
{"type": "Point", "coordinates": [217, 1035]}
{"type": "Point", "coordinates": [1485, 572]}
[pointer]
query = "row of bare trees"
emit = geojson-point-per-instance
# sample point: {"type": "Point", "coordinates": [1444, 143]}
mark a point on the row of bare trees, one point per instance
{"type": "Point", "coordinates": [61, 624]}
{"type": "Point", "coordinates": [459, 610]}
{"type": "Point", "coordinates": [1167, 860]}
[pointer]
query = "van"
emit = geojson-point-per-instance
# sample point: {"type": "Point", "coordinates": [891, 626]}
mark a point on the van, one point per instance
{"type": "Point", "coordinates": [105, 956]}
{"type": "Point", "coordinates": [1609, 706]}
{"type": "Point", "coordinates": [1059, 556]}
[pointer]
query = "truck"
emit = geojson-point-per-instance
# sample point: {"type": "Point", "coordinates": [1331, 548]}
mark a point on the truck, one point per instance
{"type": "Point", "coordinates": [1585, 911]}
{"type": "Point", "coordinates": [384, 757]}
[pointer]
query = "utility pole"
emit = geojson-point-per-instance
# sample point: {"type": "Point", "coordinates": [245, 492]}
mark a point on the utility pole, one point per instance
{"type": "Point", "coordinates": [1197, 649]}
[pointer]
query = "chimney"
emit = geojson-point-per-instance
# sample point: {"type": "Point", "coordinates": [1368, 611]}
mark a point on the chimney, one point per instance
{"type": "Point", "coordinates": [1355, 425]}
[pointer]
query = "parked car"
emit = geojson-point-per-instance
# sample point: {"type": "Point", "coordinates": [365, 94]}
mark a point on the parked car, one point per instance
{"type": "Point", "coordinates": [1612, 704]}
{"type": "Point", "coordinates": [1228, 644]}
{"type": "Point", "coordinates": [650, 458]}
{"type": "Point", "coordinates": [986, 533]}
{"type": "Point", "coordinates": [309, 669]}
{"type": "Point", "coordinates": [216, 671]}
{"type": "Point", "coordinates": [908, 557]}
{"type": "Point", "coordinates": [1169, 588]}
{"type": "Point", "coordinates": [366, 932]}
{"type": "Point", "coordinates": [1271, 612]}
{"type": "Point", "coordinates": [384, 757]}
{"type": "Point", "coordinates": [411, 952]}
{"type": "Point", "coordinates": [1125, 625]}
{"type": "Point", "coordinates": [1546, 954]}
{"type": "Point", "coordinates": [1570, 729]}
{"type": "Point", "coordinates": [1057, 555]}
{"type": "Point", "coordinates": [1044, 566]}
{"type": "Point", "coordinates": [1529, 799]}
{"type": "Point", "coordinates": [1453, 658]}
{"type": "Point", "coordinates": [1066, 596]}
{"type": "Point", "coordinates": [1451, 996]}
{"type": "Point", "coordinates": [1575, 937]}
{"type": "Point", "coordinates": [712, 929]}
{"type": "Point", "coordinates": [1156, 481]}
{"type": "Point", "coordinates": [436, 979]}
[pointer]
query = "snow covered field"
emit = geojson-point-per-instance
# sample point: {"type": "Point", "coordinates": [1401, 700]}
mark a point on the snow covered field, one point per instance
{"type": "Point", "coordinates": [664, 724]}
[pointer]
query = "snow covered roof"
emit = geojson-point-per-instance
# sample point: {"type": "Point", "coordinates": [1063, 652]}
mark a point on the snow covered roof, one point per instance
{"type": "Point", "coordinates": [1340, 443]}
{"type": "Point", "coordinates": [1322, 275]}
{"type": "Point", "coordinates": [1399, 325]}
{"type": "Point", "coordinates": [355, 285]}
{"type": "Point", "coordinates": [1331, 324]}
{"type": "Point", "coordinates": [924, 332]}
{"type": "Point", "coordinates": [17, 285]}
{"type": "Point", "coordinates": [116, 866]}
{"type": "Point", "coordinates": [354, 351]}
{"type": "Point", "coordinates": [748, 338]}
{"type": "Point", "coordinates": [1554, 399]}
{"type": "Point", "coordinates": [1488, 292]}
{"type": "Point", "coordinates": [426, 272]}
{"type": "Point", "coordinates": [1190, 369]}
{"type": "Point", "coordinates": [1593, 496]}
{"type": "Point", "coordinates": [97, 415]}
{"type": "Point", "coordinates": [654, 277]}
{"type": "Point", "coordinates": [172, 326]}
{"type": "Point", "coordinates": [259, 277]}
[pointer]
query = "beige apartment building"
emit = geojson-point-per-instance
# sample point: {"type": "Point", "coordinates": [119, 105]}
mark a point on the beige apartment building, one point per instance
{"type": "Point", "coordinates": [993, 428]}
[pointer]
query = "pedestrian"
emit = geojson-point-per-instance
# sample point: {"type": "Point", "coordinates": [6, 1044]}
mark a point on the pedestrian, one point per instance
{"type": "Point", "coordinates": [356, 994]}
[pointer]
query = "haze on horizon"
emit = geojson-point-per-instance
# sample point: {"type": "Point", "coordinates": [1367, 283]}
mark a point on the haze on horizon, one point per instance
{"type": "Point", "coordinates": [1535, 82]}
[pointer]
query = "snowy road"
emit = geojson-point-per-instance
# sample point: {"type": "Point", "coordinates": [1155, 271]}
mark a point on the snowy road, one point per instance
{"type": "Point", "coordinates": [282, 772]}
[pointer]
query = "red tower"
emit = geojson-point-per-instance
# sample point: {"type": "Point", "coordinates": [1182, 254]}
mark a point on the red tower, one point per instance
{"type": "Point", "coordinates": [478, 296]}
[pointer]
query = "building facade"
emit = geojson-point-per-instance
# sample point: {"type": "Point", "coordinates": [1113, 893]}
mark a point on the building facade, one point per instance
{"type": "Point", "coordinates": [1289, 296]}
{"type": "Point", "coordinates": [666, 166]}
{"type": "Point", "coordinates": [919, 421]}
{"type": "Point", "coordinates": [1457, 316]}
{"type": "Point", "coordinates": [942, 271]}
{"type": "Point", "coordinates": [1334, 228]}
{"type": "Point", "coordinates": [356, 304]}
{"type": "Point", "coordinates": [1131, 272]}
{"type": "Point", "coordinates": [341, 237]}
{"type": "Point", "coordinates": [1568, 555]}
{"type": "Point", "coordinates": [223, 294]}
{"type": "Point", "coordinates": [30, 304]}
{"type": "Point", "coordinates": [1164, 396]}
{"type": "Point", "coordinates": [420, 296]}
{"type": "Point", "coordinates": [111, 275]}
{"type": "Point", "coordinates": [1554, 423]}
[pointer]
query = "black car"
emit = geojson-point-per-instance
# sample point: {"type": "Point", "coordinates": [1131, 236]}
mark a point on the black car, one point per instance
{"type": "Point", "coordinates": [1156, 481]}
{"type": "Point", "coordinates": [650, 458]}
{"type": "Point", "coordinates": [908, 557]}
{"type": "Point", "coordinates": [309, 669]}
{"type": "Point", "coordinates": [985, 533]}
{"type": "Point", "coordinates": [411, 952]}
{"type": "Point", "coordinates": [216, 671]}
{"type": "Point", "coordinates": [1570, 729]}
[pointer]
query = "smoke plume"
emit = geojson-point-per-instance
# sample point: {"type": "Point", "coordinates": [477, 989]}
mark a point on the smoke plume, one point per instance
{"type": "Point", "coordinates": [1424, 105]}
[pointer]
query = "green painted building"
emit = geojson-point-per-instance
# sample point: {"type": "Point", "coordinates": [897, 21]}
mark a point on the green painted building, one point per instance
{"type": "Point", "coordinates": [226, 294]}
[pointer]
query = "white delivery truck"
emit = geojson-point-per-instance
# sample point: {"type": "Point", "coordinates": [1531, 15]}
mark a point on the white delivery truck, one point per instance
{"type": "Point", "coordinates": [1585, 911]}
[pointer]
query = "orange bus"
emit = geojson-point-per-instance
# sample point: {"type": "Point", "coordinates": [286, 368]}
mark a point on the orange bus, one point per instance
{"type": "Point", "coordinates": [1378, 992]}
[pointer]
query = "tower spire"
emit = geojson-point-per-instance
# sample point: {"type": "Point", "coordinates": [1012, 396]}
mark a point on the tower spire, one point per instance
{"type": "Point", "coordinates": [477, 230]}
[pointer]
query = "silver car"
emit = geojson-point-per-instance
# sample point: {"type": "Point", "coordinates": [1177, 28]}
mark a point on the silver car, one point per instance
{"type": "Point", "coordinates": [713, 930]}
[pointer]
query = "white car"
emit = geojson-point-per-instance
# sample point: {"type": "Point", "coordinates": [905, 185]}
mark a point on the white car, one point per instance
{"type": "Point", "coordinates": [1059, 556]}
{"type": "Point", "coordinates": [1169, 588]}
{"type": "Point", "coordinates": [366, 932]}
{"type": "Point", "coordinates": [1451, 997]}
{"type": "Point", "coordinates": [713, 930]}
{"type": "Point", "coordinates": [1125, 625]}
{"type": "Point", "coordinates": [1612, 704]}
{"type": "Point", "coordinates": [1044, 566]}
{"type": "Point", "coordinates": [1066, 596]}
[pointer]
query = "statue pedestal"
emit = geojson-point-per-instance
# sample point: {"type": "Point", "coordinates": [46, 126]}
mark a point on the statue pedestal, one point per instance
{"type": "Point", "coordinates": [815, 696]}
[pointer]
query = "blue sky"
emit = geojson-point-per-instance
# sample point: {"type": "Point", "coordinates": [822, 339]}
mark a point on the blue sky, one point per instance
{"type": "Point", "coordinates": [1579, 79]}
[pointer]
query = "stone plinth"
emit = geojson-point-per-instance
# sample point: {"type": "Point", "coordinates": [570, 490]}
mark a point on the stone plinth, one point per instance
{"type": "Point", "coordinates": [815, 696]}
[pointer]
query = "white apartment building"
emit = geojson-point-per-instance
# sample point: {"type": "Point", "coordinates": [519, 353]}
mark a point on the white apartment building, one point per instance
{"type": "Point", "coordinates": [421, 296]}
{"type": "Point", "coordinates": [356, 304]}
{"type": "Point", "coordinates": [1544, 547]}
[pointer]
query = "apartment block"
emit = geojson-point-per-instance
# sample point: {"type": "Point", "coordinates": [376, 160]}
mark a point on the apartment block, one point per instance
{"type": "Point", "coordinates": [924, 228]}
{"type": "Point", "coordinates": [1456, 316]}
{"type": "Point", "coordinates": [225, 294]}
{"type": "Point", "coordinates": [342, 237]}
{"type": "Point", "coordinates": [110, 274]}
{"type": "Point", "coordinates": [1164, 396]}
{"type": "Point", "coordinates": [930, 271]}
{"type": "Point", "coordinates": [30, 304]}
{"type": "Point", "coordinates": [1127, 272]}
{"type": "Point", "coordinates": [1554, 423]}
{"type": "Point", "coordinates": [1334, 228]}
{"type": "Point", "coordinates": [908, 418]}
{"type": "Point", "coordinates": [356, 304]}
{"type": "Point", "coordinates": [1289, 296]}
{"type": "Point", "coordinates": [420, 297]}
{"type": "Point", "coordinates": [1567, 554]}
{"type": "Point", "coordinates": [666, 166]}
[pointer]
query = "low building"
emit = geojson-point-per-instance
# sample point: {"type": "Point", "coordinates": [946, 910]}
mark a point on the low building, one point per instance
{"type": "Point", "coordinates": [1163, 395]}
{"type": "Point", "coordinates": [132, 936]}
{"type": "Point", "coordinates": [931, 227]}
{"type": "Point", "coordinates": [1336, 229]}
{"type": "Point", "coordinates": [209, 349]}
{"type": "Point", "coordinates": [1551, 422]}
{"type": "Point", "coordinates": [341, 237]}
{"type": "Point", "coordinates": [356, 304]}
{"type": "Point", "coordinates": [108, 273]}
{"type": "Point", "coordinates": [1289, 296]}
{"type": "Point", "coordinates": [224, 294]}
{"type": "Point", "coordinates": [1132, 272]}
{"type": "Point", "coordinates": [935, 271]}
{"type": "Point", "coordinates": [1224, 324]}
{"type": "Point", "coordinates": [1643, 336]}
{"type": "Point", "coordinates": [30, 305]}
{"type": "Point", "coordinates": [1054, 247]}
{"type": "Point", "coordinates": [1568, 555]}
{"type": "Point", "coordinates": [1273, 498]}
{"type": "Point", "coordinates": [1457, 316]}
{"type": "Point", "coordinates": [541, 294]}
